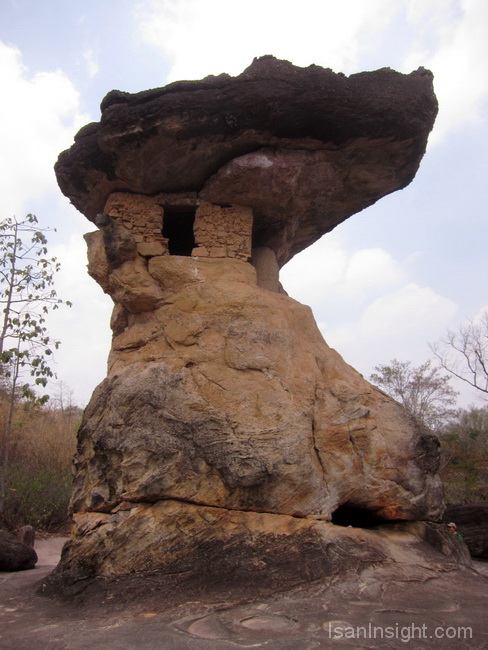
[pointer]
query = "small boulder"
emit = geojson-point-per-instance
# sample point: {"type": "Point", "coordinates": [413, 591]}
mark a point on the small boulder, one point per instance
{"type": "Point", "coordinates": [27, 535]}
{"type": "Point", "coordinates": [14, 555]}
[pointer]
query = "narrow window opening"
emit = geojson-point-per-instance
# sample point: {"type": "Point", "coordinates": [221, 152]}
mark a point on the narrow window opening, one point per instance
{"type": "Point", "coordinates": [178, 230]}
{"type": "Point", "coordinates": [357, 517]}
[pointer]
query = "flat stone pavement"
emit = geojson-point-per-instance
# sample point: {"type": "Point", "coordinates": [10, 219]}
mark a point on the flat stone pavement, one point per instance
{"type": "Point", "coordinates": [447, 607]}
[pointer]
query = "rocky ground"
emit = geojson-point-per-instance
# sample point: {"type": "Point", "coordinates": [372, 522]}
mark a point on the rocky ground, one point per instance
{"type": "Point", "coordinates": [442, 596]}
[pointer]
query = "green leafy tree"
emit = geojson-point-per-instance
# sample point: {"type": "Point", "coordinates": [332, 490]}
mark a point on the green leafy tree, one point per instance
{"type": "Point", "coordinates": [27, 295]}
{"type": "Point", "coordinates": [423, 391]}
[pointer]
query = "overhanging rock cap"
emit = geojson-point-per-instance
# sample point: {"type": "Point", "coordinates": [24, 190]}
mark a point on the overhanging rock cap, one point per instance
{"type": "Point", "coordinates": [304, 147]}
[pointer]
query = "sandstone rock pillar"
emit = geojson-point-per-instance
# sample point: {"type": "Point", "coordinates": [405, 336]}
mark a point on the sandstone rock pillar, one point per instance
{"type": "Point", "coordinates": [228, 437]}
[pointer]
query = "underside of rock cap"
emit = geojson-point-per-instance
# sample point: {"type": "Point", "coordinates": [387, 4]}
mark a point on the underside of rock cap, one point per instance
{"type": "Point", "coordinates": [304, 148]}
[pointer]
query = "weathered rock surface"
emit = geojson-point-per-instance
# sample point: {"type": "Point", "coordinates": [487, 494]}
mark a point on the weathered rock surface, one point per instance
{"type": "Point", "coordinates": [472, 521]}
{"type": "Point", "coordinates": [227, 434]}
{"type": "Point", "coordinates": [226, 395]}
{"type": "Point", "coordinates": [227, 424]}
{"type": "Point", "coordinates": [304, 147]}
{"type": "Point", "coordinates": [14, 555]}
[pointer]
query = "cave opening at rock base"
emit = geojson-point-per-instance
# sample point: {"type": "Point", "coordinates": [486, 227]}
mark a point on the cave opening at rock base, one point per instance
{"type": "Point", "coordinates": [355, 516]}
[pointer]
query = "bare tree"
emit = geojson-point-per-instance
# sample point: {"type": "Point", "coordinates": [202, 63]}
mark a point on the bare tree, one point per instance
{"type": "Point", "coordinates": [423, 391]}
{"type": "Point", "coordinates": [464, 353]}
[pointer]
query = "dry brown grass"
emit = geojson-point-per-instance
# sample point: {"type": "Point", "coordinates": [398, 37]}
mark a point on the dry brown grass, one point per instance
{"type": "Point", "coordinates": [39, 469]}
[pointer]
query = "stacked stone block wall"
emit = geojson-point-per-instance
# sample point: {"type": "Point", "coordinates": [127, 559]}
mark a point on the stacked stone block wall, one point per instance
{"type": "Point", "coordinates": [143, 216]}
{"type": "Point", "coordinates": [223, 231]}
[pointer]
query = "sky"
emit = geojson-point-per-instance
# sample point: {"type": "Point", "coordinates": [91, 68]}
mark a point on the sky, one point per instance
{"type": "Point", "coordinates": [382, 285]}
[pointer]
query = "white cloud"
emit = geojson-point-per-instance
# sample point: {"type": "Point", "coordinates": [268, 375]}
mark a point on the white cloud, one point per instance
{"type": "Point", "coordinates": [371, 269]}
{"type": "Point", "coordinates": [326, 274]}
{"type": "Point", "coordinates": [81, 361]}
{"type": "Point", "coordinates": [399, 324]}
{"type": "Point", "coordinates": [39, 114]}
{"type": "Point", "coordinates": [201, 38]}
{"type": "Point", "coordinates": [451, 38]}
{"type": "Point", "coordinates": [92, 66]}
{"type": "Point", "coordinates": [366, 302]}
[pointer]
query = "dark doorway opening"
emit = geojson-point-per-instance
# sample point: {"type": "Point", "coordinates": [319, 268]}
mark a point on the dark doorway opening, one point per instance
{"type": "Point", "coordinates": [178, 230]}
{"type": "Point", "coordinates": [357, 517]}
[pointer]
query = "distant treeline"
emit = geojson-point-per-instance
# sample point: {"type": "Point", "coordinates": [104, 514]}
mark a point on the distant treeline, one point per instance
{"type": "Point", "coordinates": [464, 464]}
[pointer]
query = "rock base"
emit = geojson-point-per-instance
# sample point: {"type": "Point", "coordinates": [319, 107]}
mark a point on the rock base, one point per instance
{"type": "Point", "coordinates": [194, 548]}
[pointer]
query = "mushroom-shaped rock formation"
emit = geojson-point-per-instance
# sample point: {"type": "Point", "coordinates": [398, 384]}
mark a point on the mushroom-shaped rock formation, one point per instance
{"type": "Point", "coordinates": [228, 437]}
